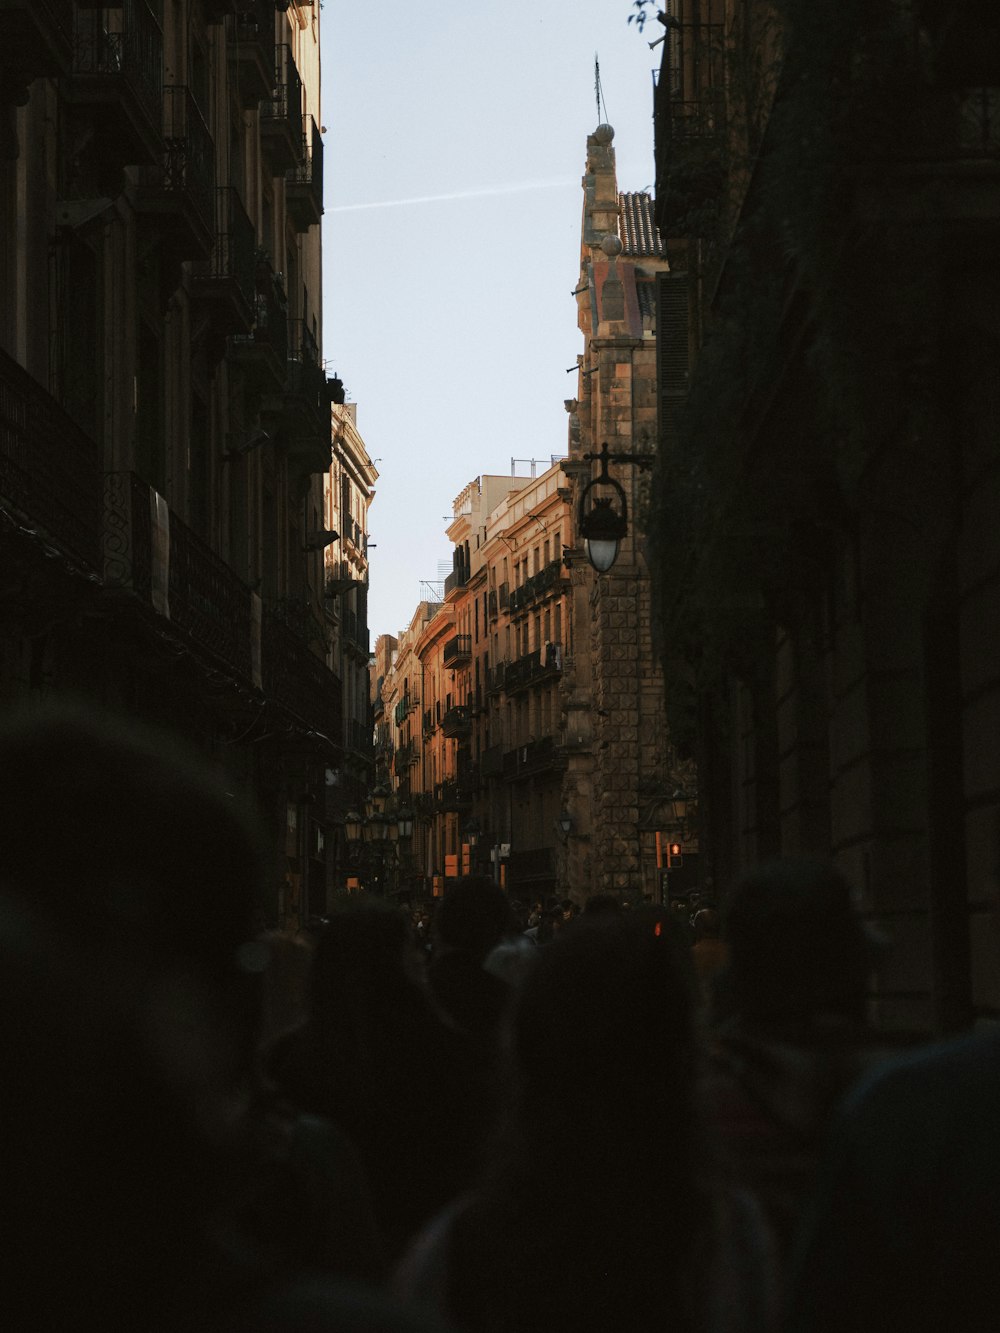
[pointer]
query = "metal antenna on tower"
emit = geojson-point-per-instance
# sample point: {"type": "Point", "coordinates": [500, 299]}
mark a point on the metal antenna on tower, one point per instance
{"type": "Point", "coordinates": [599, 91]}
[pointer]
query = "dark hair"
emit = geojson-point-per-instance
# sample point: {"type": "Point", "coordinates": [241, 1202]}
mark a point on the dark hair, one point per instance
{"type": "Point", "coordinates": [474, 915]}
{"type": "Point", "coordinates": [604, 1126]}
{"type": "Point", "coordinates": [116, 829]}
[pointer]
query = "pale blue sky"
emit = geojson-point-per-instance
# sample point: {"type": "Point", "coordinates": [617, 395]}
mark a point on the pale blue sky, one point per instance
{"type": "Point", "coordinates": [455, 145]}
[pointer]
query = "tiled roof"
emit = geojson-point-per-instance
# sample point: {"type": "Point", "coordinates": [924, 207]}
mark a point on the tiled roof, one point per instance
{"type": "Point", "coordinates": [638, 233]}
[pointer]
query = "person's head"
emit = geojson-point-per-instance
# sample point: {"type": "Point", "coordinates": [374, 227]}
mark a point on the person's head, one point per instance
{"type": "Point", "coordinates": [118, 831]}
{"type": "Point", "coordinates": [474, 915]}
{"type": "Point", "coordinates": [128, 843]}
{"type": "Point", "coordinates": [799, 953]}
{"type": "Point", "coordinates": [606, 1022]}
{"type": "Point", "coordinates": [364, 956]}
{"type": "Point", "coordinates": [707, 924]}
{"type": "Point", "coordinates": [601, 902]}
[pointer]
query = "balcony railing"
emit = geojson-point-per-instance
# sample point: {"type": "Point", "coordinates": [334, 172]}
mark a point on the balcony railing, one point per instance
{"type": "Point", "coordinates": [458, 649]}
{"type": "Point", "coordinates": [281, 129]}
{"type": "Point", "coordinates": [251, 54]}
{"type": "Point", "coordinates": [266, 346]}
{"type": "Point", "coordinates": [429, 722]}
{"type": "Point", "coordinates": [306, 415]}
{"type": "Point", "coordinates": [207, 599]}
{"type": "Point", "coordinates": [457, 722]}
{"type": "Point", "coordinates": [535, 588]}
{"type": "Point", "coordinates": [50, 470]}
{"type": "Point", "coordinates": [175, 571]}
{"type": "Point", "coordinates": [534, 667]}
{"type": "Point", "coordinates": [405, 756]}
{"type": "Point", "coordinates": [458, 578]}
{"type": "Point", "coordinates": [117, 75]}
{"type": "Point", "coordinates": [454, 795]}
{"type": "Point", "coordinates": [180, 189]}
{"type": "Point", "coordinates": [224, 283]}
{"type": "Point", "coordinates": [296, 678]}
{"type": "Point", "coordinates": [304, 183]}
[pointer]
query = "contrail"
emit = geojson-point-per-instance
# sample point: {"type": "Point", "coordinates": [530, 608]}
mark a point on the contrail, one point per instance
{"type": "Point", "coordinates": [458, 194]}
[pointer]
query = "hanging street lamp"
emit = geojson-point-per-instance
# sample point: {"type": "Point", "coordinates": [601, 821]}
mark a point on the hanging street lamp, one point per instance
{"type": "Point", "coordinates": [602, 515]}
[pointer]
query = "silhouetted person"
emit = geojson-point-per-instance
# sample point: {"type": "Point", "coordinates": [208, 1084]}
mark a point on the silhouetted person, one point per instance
{"type": "Point", "coordinates": [903, 1232]}
{"type": "Point", "coordinates": [599, 1211]}
{"type": "Point", "coordinates": [130, 880]}
{"type": "Point", "coordinates": [474, 916]}
{"type": "Point", "coordinates": [793, 1036]}
{"type": "Point", "coordinates": [375, 1057]}
{"type": "Point", "coordinates": [709, 952]}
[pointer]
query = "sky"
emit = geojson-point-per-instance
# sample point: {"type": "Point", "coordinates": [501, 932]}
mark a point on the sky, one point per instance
{"type": "Point", "coordinates": [454, 150]}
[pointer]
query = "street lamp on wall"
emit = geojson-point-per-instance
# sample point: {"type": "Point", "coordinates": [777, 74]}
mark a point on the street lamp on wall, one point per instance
{"type": "Point", "coordinates": [404, 823]}
{"type": "Point", "coordinates": [602, 515]}
{"type": "Point", "coordinates": [354, 827]}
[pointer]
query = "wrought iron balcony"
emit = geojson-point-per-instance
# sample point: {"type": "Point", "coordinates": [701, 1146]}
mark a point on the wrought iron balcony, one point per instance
{"type": "Point", "coordinates": [534, 667]}
{"type": "Point", "coordinates": [264, 350]}
{"type": "Point", "coordinates": [281, 130]}
{"type": "Point", "coordinates": [544, 755]}
{"type": "Point", "coordinates": [453, 795]}
{"type": "Point", "coordinates": [251, 54]}
{"type": "Point", "coordinates": [117, 77]}
{"type": "Point", "coordinates": [547, 580]}
{"type": "Point", "coordinates": [304, 183]}
{"type": "Point", "coordinates": [458, 650]}
{"type": "Point", "coordinates": [204, 596]}
{"type": "Point", "coordinates": [36, 41]}
{"type": "Point", "coordinates": [50, 470]}
{"type": "Point", "coordinates": [457, 722]}
{"type": "Point", "coordinates": [458, 578]}
{"type": "Point", "coordinates": [224, 283]}
{"type": "Point", "coordinates": [178, 194]}
{"type": "Point", "coordinates": [430, 722]}
{"type": "Point", "coordinates": [298, 680]}
{"type": "Point", "coordinates": [305, 420]}
{"type": "Point", "coordinates": [406, 756]}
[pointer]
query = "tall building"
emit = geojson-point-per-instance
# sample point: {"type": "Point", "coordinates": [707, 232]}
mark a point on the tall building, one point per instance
{"type": "Point", "coordinates": [349, 490]}
{"type": "Point", "coordinates": [628, 792]}
{"type": "Point", "coordinates": [827, 559]}
{"type": "Point", "coordinates": [164, 411]}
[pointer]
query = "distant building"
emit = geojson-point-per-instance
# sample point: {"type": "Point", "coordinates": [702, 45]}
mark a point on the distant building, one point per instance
{"type": "Point", "coordinates": [527, 708]}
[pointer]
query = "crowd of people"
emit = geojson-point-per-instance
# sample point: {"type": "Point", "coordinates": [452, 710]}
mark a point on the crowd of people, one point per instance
{"type": "Point", "coordinates": [598, 1120]}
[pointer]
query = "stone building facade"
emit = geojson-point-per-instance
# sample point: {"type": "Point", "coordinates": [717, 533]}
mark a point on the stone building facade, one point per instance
{"type": "Point", "coordinates": [164, 410]}
{"type": "Point", "coordinates": [625, 783]}
{"type": "Point", "coordinates": [827, 559]}
{"type": "Point", "coordinates": [348, 493]}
